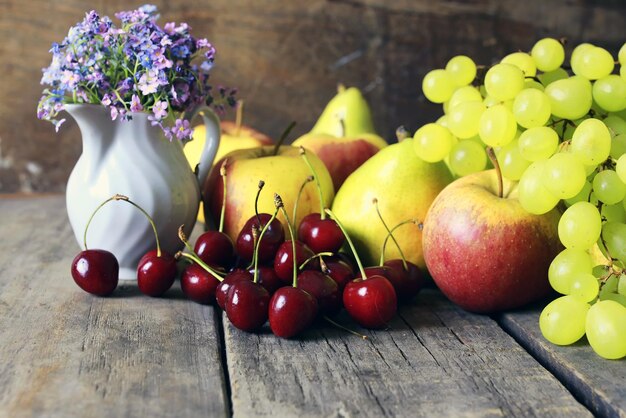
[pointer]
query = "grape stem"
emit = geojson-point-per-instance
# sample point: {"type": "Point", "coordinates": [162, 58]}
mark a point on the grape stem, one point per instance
{"type": "Point", "coordinates": [494, 160]}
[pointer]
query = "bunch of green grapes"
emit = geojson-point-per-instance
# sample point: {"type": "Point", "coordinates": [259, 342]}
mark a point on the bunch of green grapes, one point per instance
{"type": "Point", "coordinates": [560, 132]}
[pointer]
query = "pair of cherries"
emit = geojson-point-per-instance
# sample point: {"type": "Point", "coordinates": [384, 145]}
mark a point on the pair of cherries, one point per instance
{"type": "Point", "coordinates": [96, 271]}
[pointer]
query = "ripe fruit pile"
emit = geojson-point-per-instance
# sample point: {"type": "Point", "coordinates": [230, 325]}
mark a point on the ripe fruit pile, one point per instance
{"type": "Point", "coordinates": [561, 132]}
{"type": "Point", "coordinates": [257, 278]}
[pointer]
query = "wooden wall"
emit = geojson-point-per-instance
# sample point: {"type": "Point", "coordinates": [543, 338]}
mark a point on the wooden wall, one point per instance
{"type": "Point", "coordinates": [286, 57]}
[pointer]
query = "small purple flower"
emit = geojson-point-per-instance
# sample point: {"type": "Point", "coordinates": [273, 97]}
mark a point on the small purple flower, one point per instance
{"type": "Point", "coordinates": [180, 92]}
{"type": "Point", "coordinates": [149, 82]}
{"type": "Point", "coordinates": [135, 104]}
{"type": "Point", "coordinates": [181, 129]}
{"type": "Point", "coordinates": [169, 28]}
{"type": "Point", "coordinates": [107, 99]}
{"type": "Point", "coordinates": [57, 124]}
{"type": "Point", "coordinates": [160, 109]}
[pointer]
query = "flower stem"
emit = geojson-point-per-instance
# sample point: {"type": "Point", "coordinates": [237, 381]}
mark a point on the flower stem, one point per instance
{"type": "Point", "coordinates": [390, 234]}
{"type": "Point", "coordinates": [317, 182]}
{"type": "Point", "coordinates": [350, 243]}
{"type": "Point", "coordinates": [494, 160]}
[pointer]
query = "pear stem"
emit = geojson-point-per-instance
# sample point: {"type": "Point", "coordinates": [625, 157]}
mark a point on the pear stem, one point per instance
{"type": "Point", "coordinates": [256, 201]}
{"type": "Point", "coordinates": [238, 117]}
{"type": "Point", "coordinates": [402, 133]}
{"type": "Point", "coordinates": [317, 181]}
{"type": "Point", "coordinates": [194, 257]}
{"type": "Point", "coordinates": [313, 257]}
{"type": "Point", "coordinates": [258, 242]}
{"type": "Point", "coordinates": [494, 160]}
{"type": "Point", "coordinates": [223, 211]}
{"type": "Point", "coordinates": [350, 243]}
{"type": "Point", "coordinates": [279, 205]}
{"type": "Point", "coordinates": [302, 186]}
{"type": "Point", "coordinates": [282, 138]}
{"type": "Point", "coordinates": [390, 234]}
{"type": "Point", "coordinates": [342, 122]}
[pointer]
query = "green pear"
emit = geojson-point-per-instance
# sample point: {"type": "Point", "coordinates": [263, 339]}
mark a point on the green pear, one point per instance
{"type": "Point", "coordinates": [346, 115]}
{"type": "Point", "coordinates": [405, 186]}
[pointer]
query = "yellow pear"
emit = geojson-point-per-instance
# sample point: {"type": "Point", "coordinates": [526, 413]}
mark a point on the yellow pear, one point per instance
{"type": "Point", "coordinates": [346, 115]}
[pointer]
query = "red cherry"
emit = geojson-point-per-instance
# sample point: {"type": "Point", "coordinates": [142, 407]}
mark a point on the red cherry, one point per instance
{"type": "Point", "coordinates": [412, 280]}
{"type": "Point", "coordinates": [199, 285]}
{"type": "Point", "coordinates": [338, 270]}
{"type": "Point", "coordinates": [323, 288]}
{"type": "Point", "coordinates": [268, 279]}
{"type": "Point", "coordinates": [96, 272]}
{"type": "Point", "coordinates": [247, 305]}
{"type": "Point", "coordinates": [273, 237]}
{"type": "Point", "coordinates": [319, 234]}
{"type": "Point", "coordinates": [371, 302]}
{"type": "Point", "coordinates": [215, 248]}
{"type": "Point", "coordinates": [291, 311]}
{"type": "Point", "coordinates": [155, 275]}
{"type": "Point", "coordinates": [283, 261]}
{"type": "Point", "coordinates": [237, 275]}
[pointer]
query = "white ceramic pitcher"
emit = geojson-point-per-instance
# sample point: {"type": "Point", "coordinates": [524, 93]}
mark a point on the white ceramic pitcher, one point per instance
{"type": "Point", "coordinates": [134, 159]}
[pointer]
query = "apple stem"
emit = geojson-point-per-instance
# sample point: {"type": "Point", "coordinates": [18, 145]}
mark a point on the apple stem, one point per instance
{"type": "Point", "coordinates": [313, 257]}
{"type": "Point", "coordinates": [194, 257]}
{"type": "Point", "coordinates": [317, 181]}
{"type": "Point", "coordinates": [257, 245]}
{"type": "Point", "coordinates": [342, 122]}
{"type": "Point", "coordinates": [338, 325]}
{"type": "Point", "coordinates": [350, 243]}
{"type": "Point", "coordinates": [280, 206]}
{"type": "Point", "coordinates": [494, 160]}
{"type": "Point", "coordinates": [402, 133]}
{"type": "Point", "coordinates": [295, 206]}
{"type": "Point", "coordinates": [390, 234]}
{"type": "Point", "coordinates": [282, 138]}
{"type": "Point", "coordinates": [238, 117]}
{"type": "Point", "coordinates": [223, 211]}
{"type": "Point", "coordinates": [256, 201]}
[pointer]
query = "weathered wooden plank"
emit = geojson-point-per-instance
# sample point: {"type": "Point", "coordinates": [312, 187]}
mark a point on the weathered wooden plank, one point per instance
{"type": "Point", "coordinates": [599, 384]}
{"type": "Point", "coordinates": [64, 353]}
{"type": "Point", "coordinates": [435, 361]}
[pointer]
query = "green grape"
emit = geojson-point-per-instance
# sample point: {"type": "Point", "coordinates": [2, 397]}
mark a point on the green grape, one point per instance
{"type": "Point", "coordinates": [538, 143]}
{"type": "Point", "coordinates": [529, 83]}
{"type": "Point", "coordinates": [618, 146]}
{"type": "Point", "coordinates": [591, 142]}
{"type": "Point", "coordinates": [582, 196]}
{"type": "Point", "coordinates": [531, 108]}
{"type": "Point", "coordinates": [512, 163]}
{"type": "Point", "coordinates": [606, 329]}
{"type": "Point", "coordinates": [562, 322]}
{"type": "Point", "coordinates": [523, 61]}
{"type": "Point", "coordinates": [571, 127]}
{"type": "Point", "coordinates": [438, 86]}
{"type": "Point", "coordinates": [580, 226]}
{"type": "Point", "coordinates": [621, 55]}
{"type": "Point", "coordinates": [622, 72]}
{"type": "Point", "coordinates": [548, 54]}
{"type": "Point", "coordinates": [614, 235]}
{"type": "Point", "coordinates": [616, 124]}
{"type": "Point", "coordinates": [552, 76]}
{"type": "Point", "coordinates": [432, 142]}
{"type": "Point", "coordinates": [593, 63]}
{"type": "Point", "coordinates": [504, 81]}
{"type": "Point", "coordinates": [610, 93]}
{"type": "Point", "coordinates": [577, 53]}
{"type": "Point", "coordinates": [564, 175]}
{"type": "Point", "coordinates": [533, 195]}
{"type": "Point", "coordinates": [462, 69]}
{"type": "Point", "coordinates": [467, 157]}
{"type": "Point", "coordinates": [565, 266]}
{"type": "Point", "coordinates": [621, 284]}
{"type": "Point", "coordinates": [497, 126]}
{"type": "Point", "coordinates": [570, 98]}
{"type": "Point", "coordinates": [464, 94]}
{"type": "Point", "coordinates": [614, 213]}
{"type": "Point", "coordinates": [620, 168]}
{"type": "Point", "coordinates": [584, 287]}
{"type": "Point", "coordinates": [443, 121]}
{"type": "Point", "coordinates": [463, 119]}
{"type": "Point", "coordinates": [608, 187]}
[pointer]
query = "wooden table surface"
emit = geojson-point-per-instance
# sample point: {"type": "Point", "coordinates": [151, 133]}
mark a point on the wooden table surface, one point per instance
{"type": "Point", "coordinates": [65, 353]}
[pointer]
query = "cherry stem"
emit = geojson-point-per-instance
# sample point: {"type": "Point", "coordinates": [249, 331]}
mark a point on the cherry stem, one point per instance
{"type": "Point", "coordinates": [183, 238]}
{"type": "Point", "coordinates": [256, 201]}
{"type": "Point", "coordinates": [350, 243]}
{"type": "Point", "coordinates": [258, 244]}
{"type": "Point", "coordinates": [255, 240]}
{"type": "Point", "coordinates": [283, 137]}
{"type": "Point", "coordinates": [338, 325]}
{"type": "Point", "coordinates": [390, 234]}
{"type": "Point", "coordinates": [494, 160]}
{"type": "Point", "coordinates": [313, 257]}
{"type": "Point", "coordinates": [194, 257]}
{"type": "Point", "coordinates": [238, 117]}
{"type": "Point", "coordinates": [223, 211]}
{"type": "Point", "coordinates": [302, 186]}
{"type": "Point", "coordinates": [317, 181]}
{"type": "Point", "coordinates": [280, 206]}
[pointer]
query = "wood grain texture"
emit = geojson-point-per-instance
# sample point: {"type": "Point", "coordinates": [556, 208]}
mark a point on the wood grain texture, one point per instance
{"type": "Point", "coordinates": [435, 361]}
{"type": "Point", "coordinates": [65, 353]}
{"type": "Point", "coordinates": [600, 384]}
{"type": "Point", "coordinates": [287, 58]}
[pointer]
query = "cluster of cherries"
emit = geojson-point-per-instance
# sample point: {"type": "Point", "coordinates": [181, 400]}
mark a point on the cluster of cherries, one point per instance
{"type": "Point", "coordinates": [257, 278]}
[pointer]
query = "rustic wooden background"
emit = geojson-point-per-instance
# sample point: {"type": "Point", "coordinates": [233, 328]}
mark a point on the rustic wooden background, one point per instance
{"type": "Point", "coordinates": [287, 57]}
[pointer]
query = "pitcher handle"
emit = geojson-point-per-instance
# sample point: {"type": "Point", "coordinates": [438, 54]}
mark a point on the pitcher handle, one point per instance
{"type": "Point", "coordinates": [212, 141]}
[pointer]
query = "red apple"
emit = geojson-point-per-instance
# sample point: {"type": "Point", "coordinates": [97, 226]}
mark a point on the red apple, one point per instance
{"type": "Point", "coordinates": [485, 252]}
